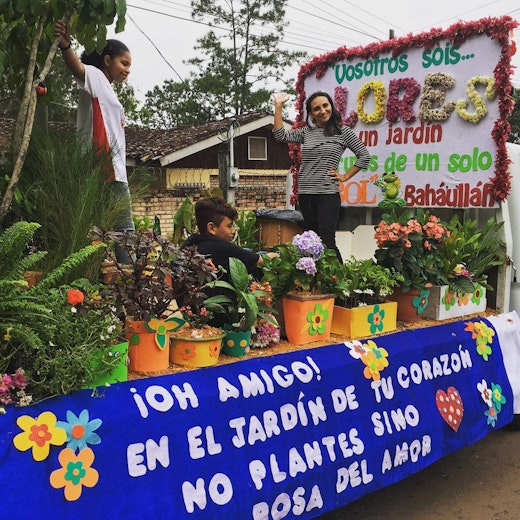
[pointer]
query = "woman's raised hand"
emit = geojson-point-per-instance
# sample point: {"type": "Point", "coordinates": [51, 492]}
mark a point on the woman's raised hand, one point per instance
{"type": "Point", "coordinates": [279, 98]}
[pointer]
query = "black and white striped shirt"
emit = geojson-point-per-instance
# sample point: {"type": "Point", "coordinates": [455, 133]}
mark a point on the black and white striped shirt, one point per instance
{"type": "Point", "coordinates": [321, 154]}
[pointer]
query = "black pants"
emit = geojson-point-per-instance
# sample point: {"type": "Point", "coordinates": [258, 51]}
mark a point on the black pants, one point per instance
{"type": "Point", "coordinates": [321, 214]}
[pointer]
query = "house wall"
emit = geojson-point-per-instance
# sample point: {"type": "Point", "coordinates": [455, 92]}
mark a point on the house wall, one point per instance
{"type": "Point", "coordinates": [262, 184]}
{"type": "Point", "coordinates": [256, 190]}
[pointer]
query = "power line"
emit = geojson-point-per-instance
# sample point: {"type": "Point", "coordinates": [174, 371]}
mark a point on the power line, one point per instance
{"type": "Point", "coordinates": [156, 48]}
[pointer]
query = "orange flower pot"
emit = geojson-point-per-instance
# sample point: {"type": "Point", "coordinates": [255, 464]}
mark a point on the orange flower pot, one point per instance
{"type": "Point", "coordinates": [143, 352]}
{"type": "Point", "coordinates": [307, 318]}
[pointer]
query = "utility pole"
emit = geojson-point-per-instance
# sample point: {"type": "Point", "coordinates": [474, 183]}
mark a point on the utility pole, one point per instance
{"type": "Point", "coordinates": [232, 176]}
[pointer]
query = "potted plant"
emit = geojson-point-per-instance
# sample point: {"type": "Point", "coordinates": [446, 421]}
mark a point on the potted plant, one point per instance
{"type": "Point", "coordinates": [244, 302]}
{"type": "Point", "coordinates": [48, 339]}
{"type": "Point", "coordinates": [144, 292]}
{"type": "Point", "coordinates": [410, 242]}
{"type": "Point", "coordinates": [197, 343]}
{"type": "Point", "coordinates": [305, 278]}
{"type": "Point", "coordinates": [468, 256]}
{"type": "Point", "coordinates": [364, 309]}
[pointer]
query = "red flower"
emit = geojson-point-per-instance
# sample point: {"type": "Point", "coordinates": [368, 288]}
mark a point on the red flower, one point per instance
{"type": "Point", "coordinates": [75, 296]}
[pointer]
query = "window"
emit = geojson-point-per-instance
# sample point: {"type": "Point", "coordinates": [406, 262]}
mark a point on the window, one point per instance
{"type": "Point", "coordinates": [257, 148]}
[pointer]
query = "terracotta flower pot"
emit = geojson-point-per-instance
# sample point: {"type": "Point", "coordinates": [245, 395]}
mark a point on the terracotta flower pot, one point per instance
{"type": "Point", "coordinates": [410, 304]}
{"type": "Point", "coordinates": [144, 353]}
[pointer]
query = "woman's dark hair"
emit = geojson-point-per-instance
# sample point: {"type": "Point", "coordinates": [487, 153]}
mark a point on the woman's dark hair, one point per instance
{"type": "Point", "coordinates": [213, 209]}
{"type": "Point", "coordinates": [112, 48]}
{"type": "Point", "coordinates": [334, 124]}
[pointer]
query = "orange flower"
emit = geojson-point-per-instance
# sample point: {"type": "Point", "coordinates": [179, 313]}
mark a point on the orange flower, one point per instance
{"type": "Point", "coordinates": [76, 471]}
{"type": "Point", "coordinates": [75, 296]}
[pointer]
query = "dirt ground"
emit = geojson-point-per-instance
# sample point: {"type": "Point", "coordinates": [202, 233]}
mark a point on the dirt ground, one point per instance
{"type": "Point", "coordinates": [480, 482]}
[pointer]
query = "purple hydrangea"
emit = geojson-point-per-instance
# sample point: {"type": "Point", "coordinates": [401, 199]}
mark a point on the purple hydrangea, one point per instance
{"type": "Point", "coordinates": [306, 264]}
{"type": "Point", "coordinates": [309, 244]}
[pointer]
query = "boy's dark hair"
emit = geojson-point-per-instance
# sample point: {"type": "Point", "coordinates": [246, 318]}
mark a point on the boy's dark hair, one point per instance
{"type": "Point", "coordinates": [212, 209]}
{"type": "Point", "coordinates": [112, 48]}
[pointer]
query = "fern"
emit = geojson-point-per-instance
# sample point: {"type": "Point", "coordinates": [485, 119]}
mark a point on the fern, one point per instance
{"type": "Point", "coordinates": [70, 263]}
{"type": "Point", "coordinates": [13, 248]}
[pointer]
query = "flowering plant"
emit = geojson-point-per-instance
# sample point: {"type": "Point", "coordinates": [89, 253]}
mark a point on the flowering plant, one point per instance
{"type": "Point", "coordinates": [411, 245]}
{"type": "Point", "coordinates": [265, 333]}
{"type": "Point", "coordinates": [470, 252]}
{"type": "Point", "coordinates": [369, 283]}
{"type": "Point", "coordinates": [12, 390]}
{"type": "Point", "coordinates": [304, 265]}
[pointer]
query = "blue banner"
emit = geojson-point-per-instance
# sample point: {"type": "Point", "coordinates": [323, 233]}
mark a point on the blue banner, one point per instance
{"type": "Point", "coordinates": [285, 436]}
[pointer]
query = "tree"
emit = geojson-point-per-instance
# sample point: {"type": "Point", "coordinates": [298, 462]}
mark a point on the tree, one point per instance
{"type": "Point", "coordinates": [234, 69]}
{"type": "Point", "coordinates": [126, 95]}
{"type": "Point", "coordinates": [514, 118]}
{"type": "Point", "coordinates": [176, 104]}
{"type": "Point", "coordinates": [28, 48]}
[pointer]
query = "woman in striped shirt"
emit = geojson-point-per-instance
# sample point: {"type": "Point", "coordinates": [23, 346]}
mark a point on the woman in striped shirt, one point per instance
{"type": "Point", "coordinates": [323, 142]}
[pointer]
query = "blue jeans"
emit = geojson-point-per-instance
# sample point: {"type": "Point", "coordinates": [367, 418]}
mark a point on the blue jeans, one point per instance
{"type": "Point", "coordinates": [321, 214]}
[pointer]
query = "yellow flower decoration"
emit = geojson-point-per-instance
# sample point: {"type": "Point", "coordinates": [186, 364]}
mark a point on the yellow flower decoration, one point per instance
{"type": "Point", "coordinates": [39, 434]}
{"type": "Point", "coordinates": [76, 471]}
{"type": "Point", "coordinates": [380, 354]}
{"type": "Point", "coordinates": [162, 328]}
{"type": "Point", "coordinates": [483, 336]}
{"type": "Point", "coordinates": [317, 320]}
{"type": "Point", "coordinates": [380, 100]}
{"type": "Point", "coordinates": [476, 99]}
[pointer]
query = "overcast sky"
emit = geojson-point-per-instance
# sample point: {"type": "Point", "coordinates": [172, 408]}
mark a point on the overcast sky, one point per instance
{"type": "Point", "coordinates": [161, 34]}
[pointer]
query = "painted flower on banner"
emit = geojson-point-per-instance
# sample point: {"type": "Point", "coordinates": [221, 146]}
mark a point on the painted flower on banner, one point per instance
{"type": "Point", "coordinates": [375, 360]}
{"type": "Point", "coordinates": [76, 471]}
{"type": "Point", "coordinates": [485, 392]}
{"type": "Point", "coordinates": [356, 348]}
{"type": "Point", "coordinates": [498, 396]}
{"type": "Point", "coordinates": [483, 336]}
{"type": "Point", "coordinates": [494, 399]}
{"type": "Point", "coordinates": [77, 431]}
{"type": "Point", "coordinates": [39, 434]}
{"type": "Point", "coordinates": [80, 430]}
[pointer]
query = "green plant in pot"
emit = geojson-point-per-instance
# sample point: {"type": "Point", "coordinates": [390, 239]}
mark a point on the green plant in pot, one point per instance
{"type": "Point", "coordinates": [368, 282]}
{"type": "Point", "coordinates": [471, 252]}
{"type": "Point", "coordinates": [244, 302]}
{"type": "Point", "coordinates": [305, 279]}
{"type": "Point", "coordinates": [34, 322]}
{"type": "Point", "coordinates": [144, 292]}
{"type": "Point", "coordinates": [304, 265]}
{"type": "Point", "coordinates": [410, 242]}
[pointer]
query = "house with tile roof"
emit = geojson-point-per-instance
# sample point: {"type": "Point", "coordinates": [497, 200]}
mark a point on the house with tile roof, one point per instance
{"type": "Point", "coordinates": [191, 161]}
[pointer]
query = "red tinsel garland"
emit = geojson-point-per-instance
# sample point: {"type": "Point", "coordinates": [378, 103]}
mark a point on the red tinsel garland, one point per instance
{"type": "Point", "coordinates": [496, 28]}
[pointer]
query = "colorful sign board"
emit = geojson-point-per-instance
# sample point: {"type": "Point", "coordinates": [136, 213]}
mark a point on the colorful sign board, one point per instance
{"type": "Point", "coordinates": [430, 108]}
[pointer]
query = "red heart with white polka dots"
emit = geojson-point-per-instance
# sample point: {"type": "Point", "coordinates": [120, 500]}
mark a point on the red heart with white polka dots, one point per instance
{"type": "Point", "coordinates": [450, 406]}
